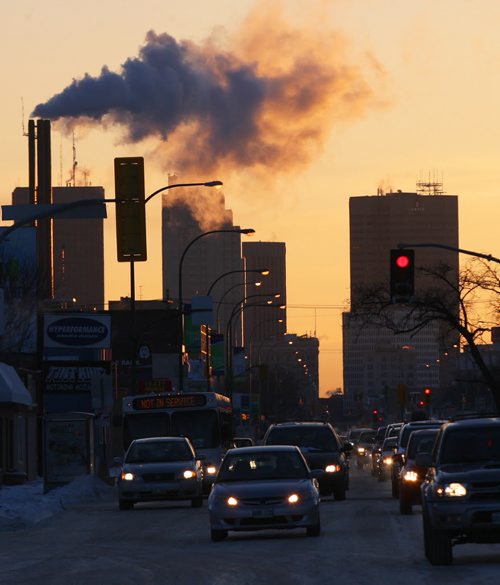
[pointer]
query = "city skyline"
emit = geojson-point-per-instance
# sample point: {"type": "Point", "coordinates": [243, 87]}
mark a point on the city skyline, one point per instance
{"type": "Point", "coordinates": [411, 100]}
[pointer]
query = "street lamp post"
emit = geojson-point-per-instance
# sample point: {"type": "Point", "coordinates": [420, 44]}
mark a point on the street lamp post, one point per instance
{"type": "Point", "coordinates": [207, 336]}
{"type": "Point", "coordinates": [246, 231]}
{"type": "Point", "coordinates": [132, 274]}
{"type": "Point", "coordinates": [237, 310]}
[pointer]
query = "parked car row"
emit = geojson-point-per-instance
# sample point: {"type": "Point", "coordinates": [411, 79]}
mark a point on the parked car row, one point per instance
{"type": "Point", "coordinates": [274, 485]}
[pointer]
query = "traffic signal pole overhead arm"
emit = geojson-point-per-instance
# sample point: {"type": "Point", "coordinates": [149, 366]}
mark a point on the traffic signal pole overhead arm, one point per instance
{"type": "Point", "coordinates": [445, 247]}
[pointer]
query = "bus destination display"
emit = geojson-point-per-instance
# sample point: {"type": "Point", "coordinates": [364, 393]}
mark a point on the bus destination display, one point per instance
{"type": "Point", "coordinates": [168, 401]}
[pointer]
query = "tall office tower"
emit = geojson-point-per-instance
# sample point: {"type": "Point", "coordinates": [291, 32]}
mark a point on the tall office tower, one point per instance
{"type": "Point", "coordinates": [77, 249]}
{"type": "Point", "coordinates": [264, 322]}
{"type": "Point", "coordinates": [207, 259]}
{"type": "Point", "coordinates": [380, 367]}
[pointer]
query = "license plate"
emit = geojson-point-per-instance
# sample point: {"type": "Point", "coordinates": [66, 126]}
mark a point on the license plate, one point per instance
{"type": "Point", "coordinates": [495, 518]}
{"type": "Point", "coordinates": [264, 513]}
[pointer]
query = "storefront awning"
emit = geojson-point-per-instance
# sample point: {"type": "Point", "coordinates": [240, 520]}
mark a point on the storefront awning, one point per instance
{"type": "Point", "coordinates": [11, 387]}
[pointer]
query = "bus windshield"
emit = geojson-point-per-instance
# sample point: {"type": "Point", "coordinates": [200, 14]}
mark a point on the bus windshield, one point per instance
{"type": "Point", "coordinates": [199, 426]}
{"type": "Point", "coordinates": [143, 425]}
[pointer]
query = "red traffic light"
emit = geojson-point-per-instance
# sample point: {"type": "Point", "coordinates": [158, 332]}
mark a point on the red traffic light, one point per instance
{"type": "Point", "coordinates": [421, 403]}
{"type": "Point", "coordinates": [402, 261]}
{"type": "Point", "coordinates": [375, 411]}
{"type": "Point", "coordinates": [427, 391]}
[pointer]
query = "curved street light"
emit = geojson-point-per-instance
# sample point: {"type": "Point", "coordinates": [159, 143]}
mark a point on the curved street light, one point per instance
{"type": "Point", "coordinates": [262, 271]}
{"type": "Point", "coordinates": [206, 184]}
{"type": "Point", "coordinates": [219, 303]}
{"type": "Point", "coordinates": [239, 308]}
{"type": "Point", "coordinates": [246, 231]}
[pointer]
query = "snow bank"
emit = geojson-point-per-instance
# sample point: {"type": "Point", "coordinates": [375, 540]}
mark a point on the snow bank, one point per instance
{"type": "Point", "coordinates": [26, 505]}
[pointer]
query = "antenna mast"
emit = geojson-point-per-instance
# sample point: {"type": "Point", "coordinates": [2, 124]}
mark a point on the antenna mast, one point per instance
{"type": "Point", "coordinates": [431, 186]}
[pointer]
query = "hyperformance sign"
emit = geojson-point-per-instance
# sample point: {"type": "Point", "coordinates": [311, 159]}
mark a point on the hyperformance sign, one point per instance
{"type": "Point", "coordinates": [82, 331]}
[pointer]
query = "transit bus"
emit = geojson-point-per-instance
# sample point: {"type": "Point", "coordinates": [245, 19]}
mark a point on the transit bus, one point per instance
{"type": "Point", "coordinates": [204, 417]}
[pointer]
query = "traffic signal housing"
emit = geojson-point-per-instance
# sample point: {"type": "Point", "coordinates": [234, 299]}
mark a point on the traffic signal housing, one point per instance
{"type": "Point", "coordinates": [402, 275]}
{"type": "Point", "coordinates": [427, 396]}
{"type": "Point", "coordinates": [130, 209]}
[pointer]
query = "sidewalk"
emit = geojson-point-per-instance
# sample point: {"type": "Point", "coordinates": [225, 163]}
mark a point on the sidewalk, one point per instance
{"type": "Point", "coordinates": [25, 505]}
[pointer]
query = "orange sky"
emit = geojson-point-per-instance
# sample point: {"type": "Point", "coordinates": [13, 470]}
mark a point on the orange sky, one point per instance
{"type": "Point", "coordinates": [362, 94]}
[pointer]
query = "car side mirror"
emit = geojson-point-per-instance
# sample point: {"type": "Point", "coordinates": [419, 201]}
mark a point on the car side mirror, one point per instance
{"type": "Point", "coordinates": [423, 460]}
{"type": "Point", "coordinates": [347, 448]}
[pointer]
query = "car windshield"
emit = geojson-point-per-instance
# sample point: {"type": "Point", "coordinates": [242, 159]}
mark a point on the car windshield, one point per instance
{"type": "Point", "coordinates": [477, 445]}
{"type": "Point", "coordinates": [158, 451]}
{"type": "Point", "coordinates": [393, 431]}
{"type": "Point", "coordinates": [408, 430]}
{"type": "Point", "coordinates": [367, 437]}
{"type": "Point", "coordinates": [262, 466]}
{"type": "Point", "coordinates": [389, 444]}
{"type": "Point", "coordinates": [420, 443]}
{"type": "Point", "coordinates": [307, 438]}
{"type": "Point", "coordinates": [355, 434]}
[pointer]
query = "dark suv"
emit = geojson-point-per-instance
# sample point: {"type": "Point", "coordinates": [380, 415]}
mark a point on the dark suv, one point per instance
{"type": "Point", "coordinates": [321, 448]}
{"type": "Point", "coordinates": [461, 492]}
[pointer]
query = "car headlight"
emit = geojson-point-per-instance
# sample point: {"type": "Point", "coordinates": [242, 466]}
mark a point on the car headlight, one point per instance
{"type": "Point", "coordinates": [293, 499]}
{"type": "Point", "coordinates": [211, 469]}
{"type": "Point", "coordinates": [232, 501]}
{"type": "Point", "coordinates": [361, 450]}
{"type": "Point", "coordinates": [188, 474]}
{"type": "Point", "coordinates": [332, 468]}
{"type": "Point", "coordinates": [127, 476]}
{"type": "Point", "coordinates": [388, 460]}
{"type": "Point", "coordinates": [451, 490]}
{"type": "Point", "coordinates": [410, 476]}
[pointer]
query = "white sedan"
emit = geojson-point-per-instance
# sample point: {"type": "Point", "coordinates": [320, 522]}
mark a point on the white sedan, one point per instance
{"type": "Point", "coordinates": [266, 487]}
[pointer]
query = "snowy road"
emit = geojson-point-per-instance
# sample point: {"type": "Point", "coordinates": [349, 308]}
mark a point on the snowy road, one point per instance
{"type": "Point", "coordinates": [364, 542]}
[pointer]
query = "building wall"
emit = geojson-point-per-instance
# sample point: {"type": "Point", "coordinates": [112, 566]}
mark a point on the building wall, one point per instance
{"type": "Point", "coordinates": [377, 362]}
{"type": "Point", "coordinates": [378, 224]}
{"type": "Point", "coordinates": [263, 323]}
{"type": "Point", "coordinates": [206, 260]}
{"type": "Point", "coordinates": [78, 250]}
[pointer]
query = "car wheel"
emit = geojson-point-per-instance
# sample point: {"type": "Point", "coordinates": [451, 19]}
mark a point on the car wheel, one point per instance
{"type": "Point", "coordinates": [125, 505]}
{"type": "Point", "coordinates": [197, 502]}
{"type": "Point", "coordinates": [405, 506]}
{"type": "Point", "coordinates": [314, 530]}
{"type": "Point", "coordinates": [437, 544]}
{"type": "Point", "coordinates": [217, 535]}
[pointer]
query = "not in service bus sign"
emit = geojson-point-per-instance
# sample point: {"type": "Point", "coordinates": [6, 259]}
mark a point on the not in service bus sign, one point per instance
{"type": "Point", "coordinates": [77, 331]}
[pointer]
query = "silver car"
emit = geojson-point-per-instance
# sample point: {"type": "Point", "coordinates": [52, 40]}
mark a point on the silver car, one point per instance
{"type": "Point", "coordinates": [160, 468]}
{"type": "Point", "coordinates": [266, 487]}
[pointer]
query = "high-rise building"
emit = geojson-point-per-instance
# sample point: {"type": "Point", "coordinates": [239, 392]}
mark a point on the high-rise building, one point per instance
{"type": "Point", "coordinates": [77, 251]}
{"type": "Point", "coordinates": [207, 259]}
{"type": "Point", "coordinates": [380, 367]}
{"type": "Point", "coordinates": [265, 322]}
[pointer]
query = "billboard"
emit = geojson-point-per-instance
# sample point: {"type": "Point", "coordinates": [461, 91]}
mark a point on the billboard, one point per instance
{"type": "Point", "coordinates": [76, 331]}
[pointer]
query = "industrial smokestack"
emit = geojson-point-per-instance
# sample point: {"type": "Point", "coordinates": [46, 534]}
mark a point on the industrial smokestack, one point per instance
{"type": "Point", "coordinates": [44, 226]}
{"type": "Point", "coordinates": [31, 161]}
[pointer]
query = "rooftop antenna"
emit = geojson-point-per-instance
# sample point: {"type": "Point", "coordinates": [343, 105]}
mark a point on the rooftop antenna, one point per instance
{"type": "Point", "coordinates": [432, 186]}
{"type": "Point", "coordinates": [75, 163]}
{"type": "Point", "coordinates": [22, 118]}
